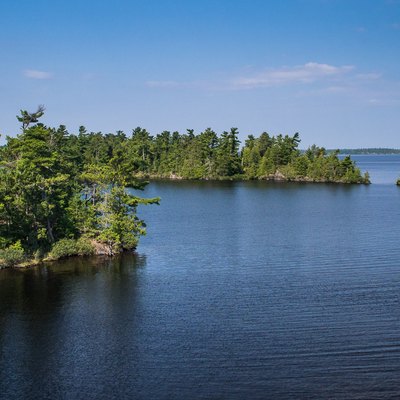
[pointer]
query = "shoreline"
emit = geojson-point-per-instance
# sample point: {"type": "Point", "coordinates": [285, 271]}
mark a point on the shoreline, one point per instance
{"type": "Point", "coordinates": [276, 177]}
{"type": "Point", "coordinates": [32, 263]}
{"type": "Point", "coordinates": [99, 250]}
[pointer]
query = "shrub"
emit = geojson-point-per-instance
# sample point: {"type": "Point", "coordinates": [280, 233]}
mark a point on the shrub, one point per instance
{"type": "Point", "coordinates": [85, 247]}
{"type": "Point", "coordinates": [288, 171]}
{"type": "Point", "coordinates": [71, 247]}
{"type": "Point", "coordinates": [12, 255]}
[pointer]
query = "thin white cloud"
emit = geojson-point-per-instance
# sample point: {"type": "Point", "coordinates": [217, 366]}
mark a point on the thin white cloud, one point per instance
{"type": "Point", "coordinates": [307, 73]}
{"type": "Point", "coordinates": [369, 77]}
{"type": "Point", "coordinates": [336, 89]}
{"type": "Point", "coordinates": [309, 79]}
{"type": "Point", "coordinates": [171, 84]}
{"type": "Point", "coordinates": [162, 84]}
{"type": "Point", "coordinates": [35, 74]}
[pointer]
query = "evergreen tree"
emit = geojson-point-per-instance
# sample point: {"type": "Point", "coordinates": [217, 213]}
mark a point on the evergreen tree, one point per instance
{"type": "Point", "coordinates": [228, 162]}
{"type": "Point", "coordinates": [54, 193]}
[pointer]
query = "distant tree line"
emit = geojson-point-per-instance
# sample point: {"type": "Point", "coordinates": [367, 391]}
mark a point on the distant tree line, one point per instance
{"type": "Point", "coordinates": [369, 150]}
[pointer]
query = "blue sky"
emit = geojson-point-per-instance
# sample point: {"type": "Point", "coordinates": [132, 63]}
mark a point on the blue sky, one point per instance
{"type": "Point", "coordinates": [329, 69]}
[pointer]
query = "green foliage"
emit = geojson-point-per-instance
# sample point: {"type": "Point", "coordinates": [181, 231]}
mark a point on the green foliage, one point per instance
{"type": "Point", "coordinates": [57, 188]}
{"type": "Point", "coordinates": [289, 172]}
{"type": "Point", "coordinates": [27, 118]}
{"type": "Point", "coordinates": [118, 225]}
{"type": "Point", "coordinates": [251, 157]}
{"type": "Point", "coordinates": [12, 255]}
{"type": "Point", "coordinates": [71, 247]}
{"type": "Point", "coordinates": [37, 186]}
{"type": "Point", "coordinates": [301, 165]}
{"type": "Point", "coordinates": [267, 165]}
{"type": "Point", "coordinates": [228, 162]}
{"type": "Point", "coordinates": [101, 159]}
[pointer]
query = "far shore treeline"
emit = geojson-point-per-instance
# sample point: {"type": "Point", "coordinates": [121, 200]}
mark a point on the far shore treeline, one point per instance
{"type": "Point", "coordinates": [369, 150]}
{"type": "Point", "coordinates": [67, 194]}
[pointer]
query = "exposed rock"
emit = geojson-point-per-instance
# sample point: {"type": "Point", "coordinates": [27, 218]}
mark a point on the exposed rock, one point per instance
{"type": "Point", "coordinates": [102, 249]}
{"type": "Point", "coordinates": [175, 177]}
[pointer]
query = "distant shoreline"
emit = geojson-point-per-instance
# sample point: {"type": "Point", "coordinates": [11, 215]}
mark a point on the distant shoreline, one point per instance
{"type": "Point", "coordinates": [367, 151]}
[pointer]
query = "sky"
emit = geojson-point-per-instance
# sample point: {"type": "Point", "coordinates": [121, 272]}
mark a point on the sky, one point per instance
{"type": "Point", "coordinates": [328, 69]}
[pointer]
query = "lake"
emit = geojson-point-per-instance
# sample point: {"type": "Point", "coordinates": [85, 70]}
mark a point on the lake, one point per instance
{"type": "Point", "coordinates": [240, 290]}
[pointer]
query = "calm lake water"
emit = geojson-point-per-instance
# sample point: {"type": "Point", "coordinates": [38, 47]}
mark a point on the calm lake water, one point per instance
{"type": "Point", "coordinates": [243, 290]}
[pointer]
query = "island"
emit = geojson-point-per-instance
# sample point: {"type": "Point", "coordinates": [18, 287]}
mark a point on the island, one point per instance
{"type": "Point", "coordinates": [65, 194]}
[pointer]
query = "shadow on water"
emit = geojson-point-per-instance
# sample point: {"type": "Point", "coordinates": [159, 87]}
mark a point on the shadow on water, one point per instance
{"type": "Point", "coordinates": [65, 311]}
{"type": "Point", "coordinates": [31, 289]}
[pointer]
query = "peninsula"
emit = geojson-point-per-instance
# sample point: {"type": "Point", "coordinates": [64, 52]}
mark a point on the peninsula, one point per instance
{"type": "Point", "coordinates": [65, 194]}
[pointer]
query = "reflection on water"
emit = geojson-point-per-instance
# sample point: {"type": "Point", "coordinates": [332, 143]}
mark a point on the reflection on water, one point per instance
{"type": "Point", "coordinates": [59, 322]}
{"type": "Point", "coordinates": [27, 290]}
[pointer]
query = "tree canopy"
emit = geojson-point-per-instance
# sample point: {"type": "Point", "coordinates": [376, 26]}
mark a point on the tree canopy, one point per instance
{"type": "Point", "coordinates": [54, 189]}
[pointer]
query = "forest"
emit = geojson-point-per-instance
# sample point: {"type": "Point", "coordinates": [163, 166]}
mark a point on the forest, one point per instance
{"type": "Point", "coordinates": [210, 156]}
{"type": "Point", "coordinates": [64, 194]}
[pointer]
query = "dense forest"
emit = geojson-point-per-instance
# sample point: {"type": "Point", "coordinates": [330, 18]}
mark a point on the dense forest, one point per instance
{"type": "Point", "coordinates": [207, 156]}
{"type": "Point", "coordinates": [58, 200]}
{"type": "Point", "coordinates": [67, 194]}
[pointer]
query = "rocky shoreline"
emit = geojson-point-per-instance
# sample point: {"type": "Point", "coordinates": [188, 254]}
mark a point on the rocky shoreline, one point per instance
{"type": "Point", "coordinates": [98, 249]}
{"type": "Point", "coordinates": [278, 176]}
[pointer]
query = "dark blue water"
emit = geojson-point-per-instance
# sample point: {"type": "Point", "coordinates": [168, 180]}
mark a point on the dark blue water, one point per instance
{"type": "Point", "coordinates": [240, 290]}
